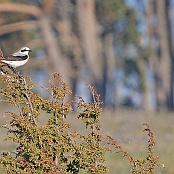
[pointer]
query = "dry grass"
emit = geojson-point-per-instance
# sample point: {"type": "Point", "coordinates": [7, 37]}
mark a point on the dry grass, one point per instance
{"type": "Point", "coordinates": [126, 127]}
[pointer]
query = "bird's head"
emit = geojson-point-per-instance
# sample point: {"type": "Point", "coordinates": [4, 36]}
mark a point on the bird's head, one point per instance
{"type": "Point", "coordinates": [25, 50]}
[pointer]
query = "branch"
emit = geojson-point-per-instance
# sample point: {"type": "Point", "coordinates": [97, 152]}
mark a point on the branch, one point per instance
{"type": "Point", "coordinates": [18, 26]}
{"type": "Point", "coordinates": [20, 8]}
{"type": "Point", "coordinates": [29, 101]}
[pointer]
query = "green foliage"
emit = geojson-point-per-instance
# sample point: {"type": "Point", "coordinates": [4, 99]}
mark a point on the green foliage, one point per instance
{"type": "Point", "coordinates": [52, 147]}
{"type": "Point", "coordinates": [110, 10]}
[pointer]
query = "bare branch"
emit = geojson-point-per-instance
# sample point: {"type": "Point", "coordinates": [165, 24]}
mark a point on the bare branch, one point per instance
{"type": "Point", "coordinates": [17, 26]}
{"type": "Point", "coordinates": [20, 8]}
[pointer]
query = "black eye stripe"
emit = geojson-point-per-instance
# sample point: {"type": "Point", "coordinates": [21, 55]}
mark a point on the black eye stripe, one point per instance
{"type": "Point", "coordinates": [23, 50]}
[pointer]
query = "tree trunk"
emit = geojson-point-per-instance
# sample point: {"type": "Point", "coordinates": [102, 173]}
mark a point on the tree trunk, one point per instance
{"type": "Point", "coordinates": [170, 45]}
{"type": "Point", "coordinates": [91, 45]}
{"type": "Point", "coordinates": [164, 56]}
{"type": "Point", "coordinates": [148, 104]}
{"type": "Point", "coordinates": [89, 37]}
{"type": "Point", "coordinates": [109, 69]}
{"type": "Point", "coordinates": [58, 62]}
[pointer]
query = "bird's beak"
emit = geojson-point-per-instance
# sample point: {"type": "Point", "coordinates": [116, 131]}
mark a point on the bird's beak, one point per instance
{"type": "Point", "coordinates": [30, 50]}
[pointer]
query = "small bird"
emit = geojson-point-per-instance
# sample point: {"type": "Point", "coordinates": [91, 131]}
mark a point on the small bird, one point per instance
{"type": "Point", "coordinates": [19, 58]}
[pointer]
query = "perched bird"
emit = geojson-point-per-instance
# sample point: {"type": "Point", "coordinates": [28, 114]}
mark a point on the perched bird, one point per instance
{"type": "Point", "coordinates": [19, 58]}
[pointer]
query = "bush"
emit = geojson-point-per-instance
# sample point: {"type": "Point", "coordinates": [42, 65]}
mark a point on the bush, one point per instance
{"type": "Point", "coordinates": [52, 147]}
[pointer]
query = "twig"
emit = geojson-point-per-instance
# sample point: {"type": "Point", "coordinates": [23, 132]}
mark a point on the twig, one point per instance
{"type": "Point", "coordinates": [20, 110]}
{"type": "Point", "coordinates": [29, 101]}
{"type": "Point", "coordinates": [28, 98]}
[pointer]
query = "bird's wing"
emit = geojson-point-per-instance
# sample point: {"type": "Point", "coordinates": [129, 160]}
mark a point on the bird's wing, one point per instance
{"type": "Point", "coordinates": [18, 54]}
{"type": "Point", "coordinates": [16, 57]}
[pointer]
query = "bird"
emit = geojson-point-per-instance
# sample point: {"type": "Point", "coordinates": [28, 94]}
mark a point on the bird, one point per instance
{"type": "Point", "coordinates": [18, 58]}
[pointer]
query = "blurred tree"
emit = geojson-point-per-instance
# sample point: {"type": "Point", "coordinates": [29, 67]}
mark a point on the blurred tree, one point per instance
{"type": "Point", "coordinates": [84, 39]}
{"type": "Point", "coordinates": [111, 32]}
{"type": "Point", "coordinates": [117, 26]}
{"type": "Point", "coordinates": [151, 33]}
{"type": "Point", "coordinates": [164, 55]}
{"type": "Point", "coordinates": [69, 40]}
{"type": "Point", "coordinates": [89, 37]}
{"type": "Point", "coordinates": [159, 31]}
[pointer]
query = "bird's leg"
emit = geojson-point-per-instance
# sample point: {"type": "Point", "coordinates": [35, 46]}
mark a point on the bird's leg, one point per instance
{"type": "Point", "coordinates": [13, 69]}
{"type": "Point", "coordinates": [20, 76]}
